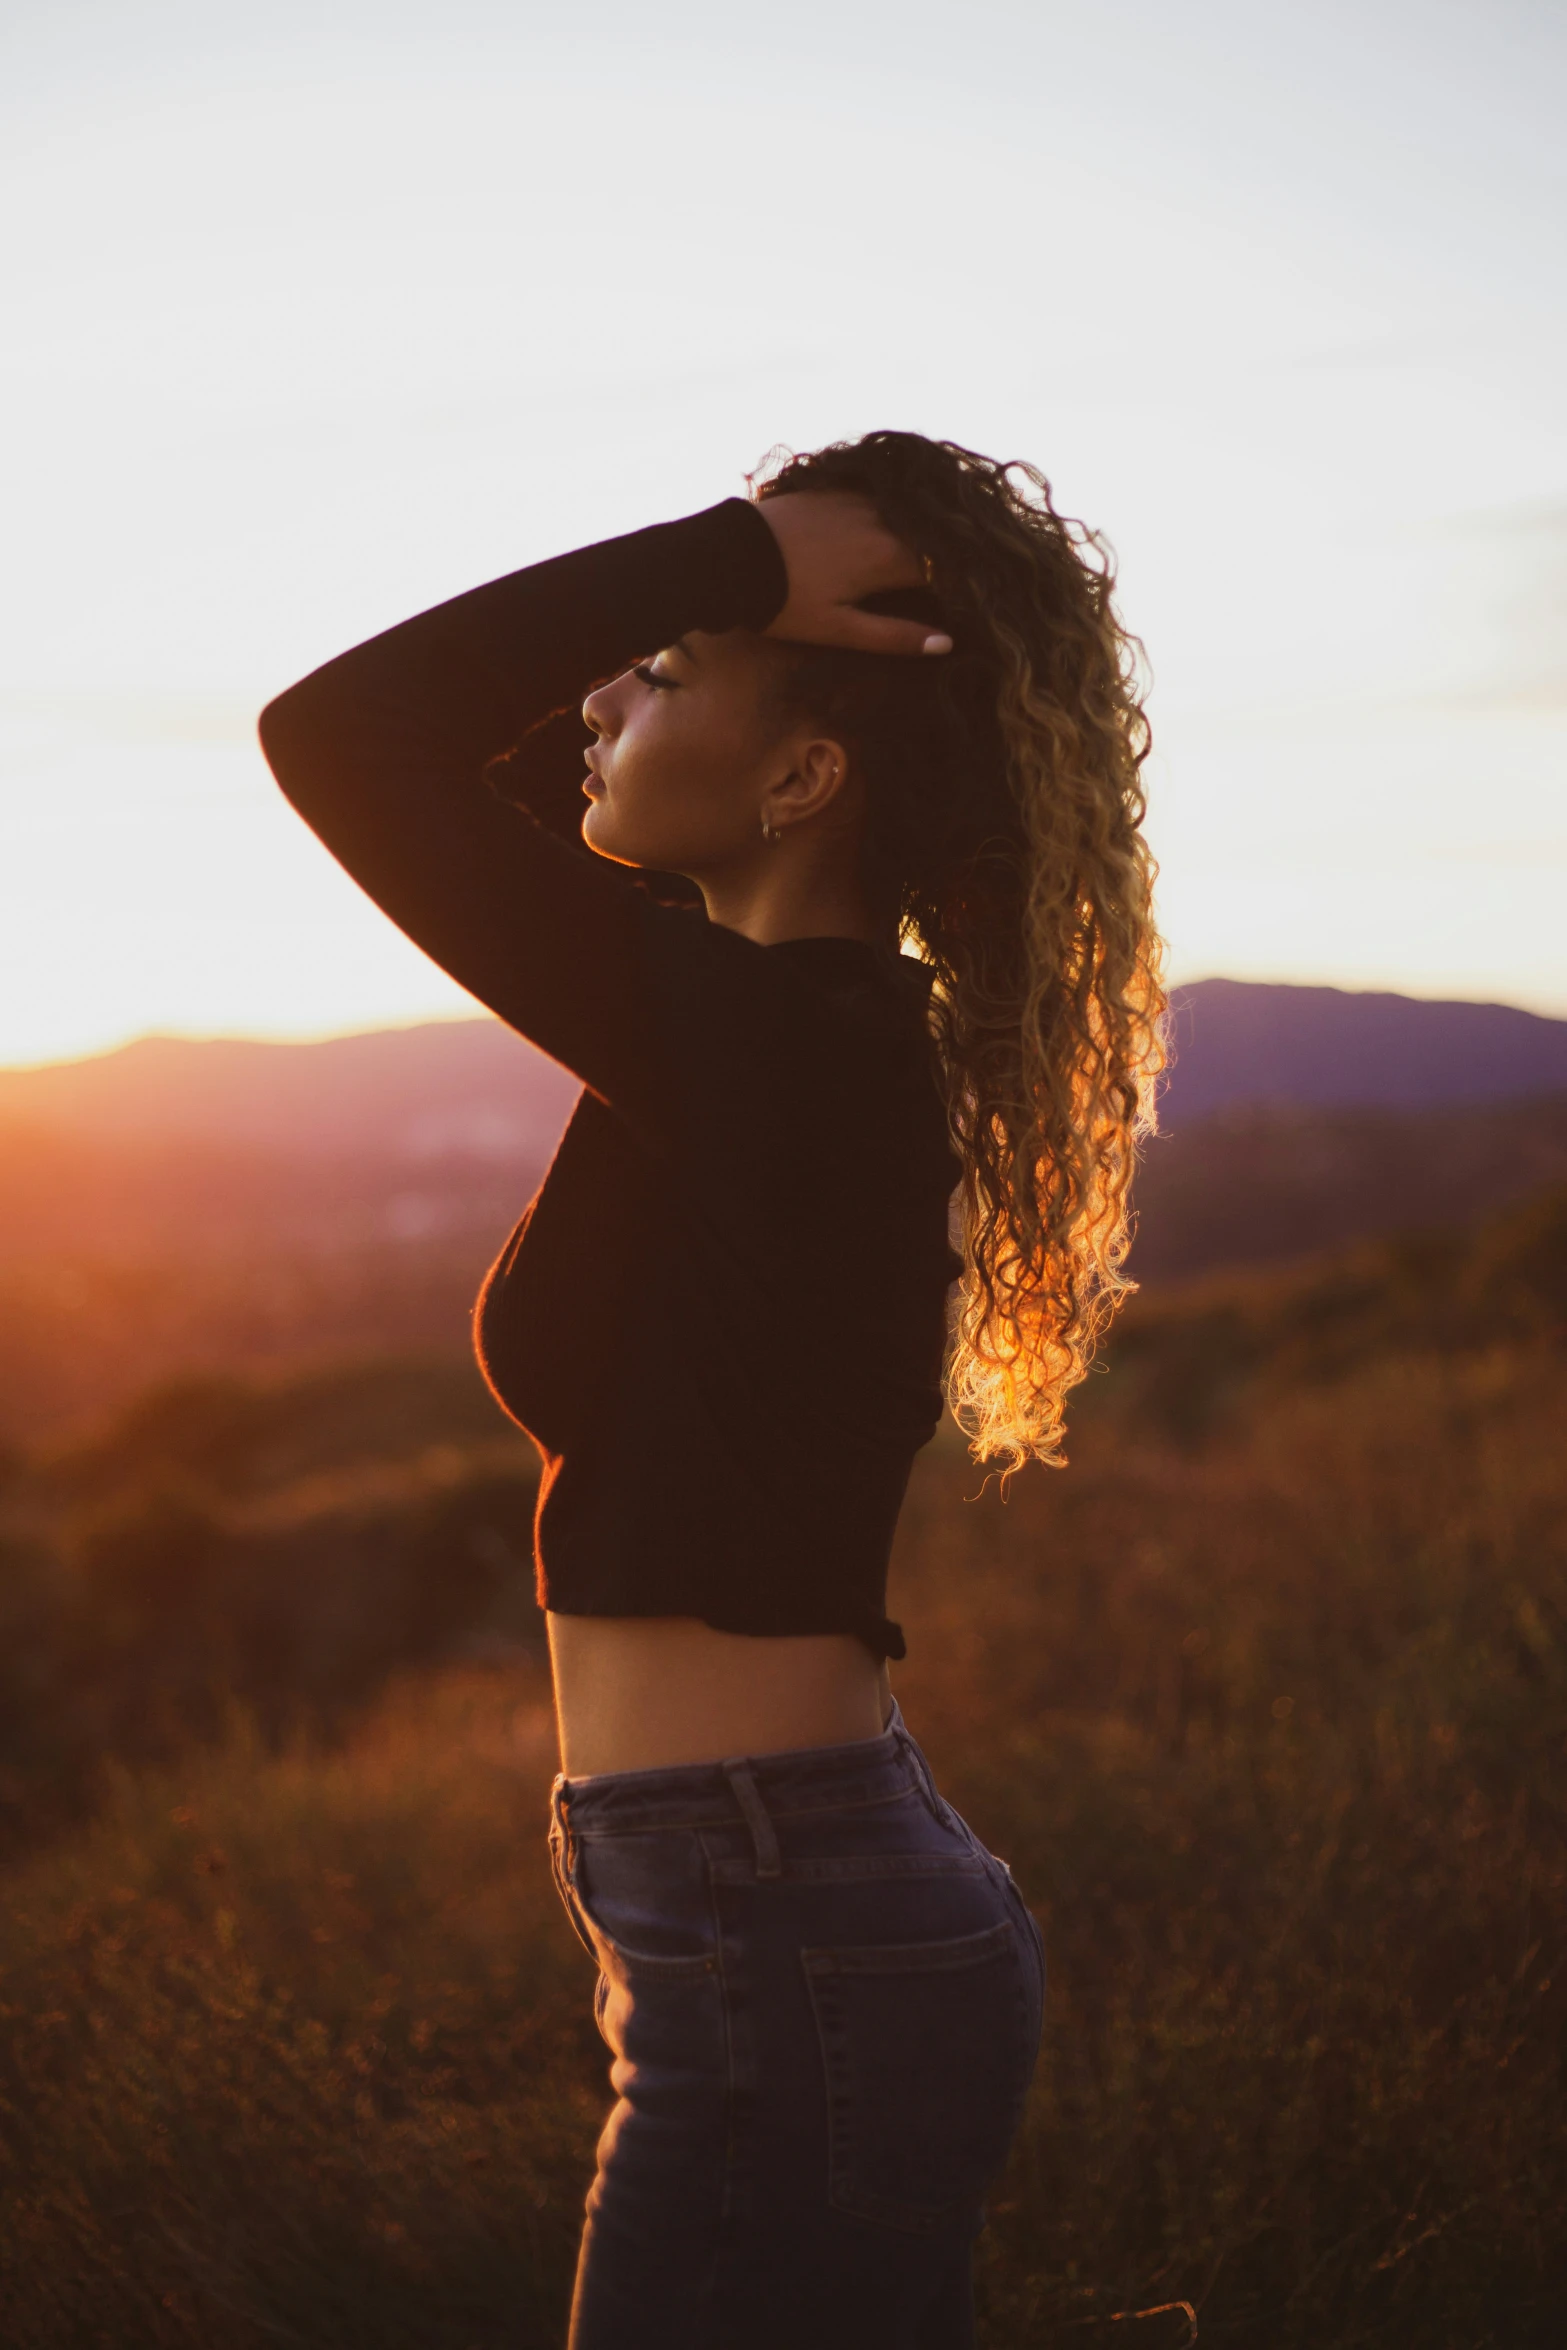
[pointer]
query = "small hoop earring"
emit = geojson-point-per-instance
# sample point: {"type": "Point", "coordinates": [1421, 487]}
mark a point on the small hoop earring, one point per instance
{"type": "Point", "coordinates": [771, 837]}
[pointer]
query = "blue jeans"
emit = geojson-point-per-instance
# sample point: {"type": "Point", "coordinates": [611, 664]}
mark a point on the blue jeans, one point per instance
{"type": "Point", "coordinates": [822, 1996]}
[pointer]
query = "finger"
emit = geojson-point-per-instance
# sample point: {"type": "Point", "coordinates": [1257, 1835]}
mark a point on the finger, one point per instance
{"type": "Point", "coordinates": [876, 632]}
{"type": "Point", "coordinates": [883, 561]}
{"type": "Point", "coordinates": [843, 530]}
{"type": "Point", "coordinates": [895, 562]}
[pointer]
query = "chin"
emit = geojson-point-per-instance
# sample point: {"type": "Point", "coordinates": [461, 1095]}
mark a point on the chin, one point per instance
{"type": "Point", "coordinates": [598, 828]}
{"type": "Point", "coordinates": [601, 834]}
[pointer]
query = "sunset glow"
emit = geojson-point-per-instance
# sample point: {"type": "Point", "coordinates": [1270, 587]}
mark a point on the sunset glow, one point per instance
{"type": "Point", "coordinates": [310, 329]}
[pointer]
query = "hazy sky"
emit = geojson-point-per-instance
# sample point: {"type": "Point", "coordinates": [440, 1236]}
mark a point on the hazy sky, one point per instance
{"type": "Point", "coordinates": [318, 312]}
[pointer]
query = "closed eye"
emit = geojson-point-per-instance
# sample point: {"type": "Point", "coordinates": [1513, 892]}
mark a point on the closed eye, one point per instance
{"type": "Point", "coordinates": [658, 679]}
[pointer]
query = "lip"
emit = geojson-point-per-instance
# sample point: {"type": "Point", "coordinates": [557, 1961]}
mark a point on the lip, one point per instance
{"type": "Point", "coordinates": [592, 782]}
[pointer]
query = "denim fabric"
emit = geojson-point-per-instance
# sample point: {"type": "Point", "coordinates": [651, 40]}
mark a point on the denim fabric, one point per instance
{"type": "Point", "coordinates": [822, 1997]}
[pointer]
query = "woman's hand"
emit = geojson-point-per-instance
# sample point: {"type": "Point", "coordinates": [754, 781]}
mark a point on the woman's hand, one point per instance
{"type": "Point", "coordinates": [835, 550]}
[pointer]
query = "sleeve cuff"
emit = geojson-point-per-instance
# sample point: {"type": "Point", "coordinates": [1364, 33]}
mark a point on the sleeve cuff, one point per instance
{"type": "Point", "coordinates": [732, 571]}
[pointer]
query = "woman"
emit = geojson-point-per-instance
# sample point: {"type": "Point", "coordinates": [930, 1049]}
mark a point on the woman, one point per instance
{"type": "Point", "coordinates": [863, 920]}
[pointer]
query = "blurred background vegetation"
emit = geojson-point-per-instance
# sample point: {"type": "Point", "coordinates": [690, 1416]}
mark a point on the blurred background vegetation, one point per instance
{"type": "Point", "coordinates": [1264, 1700]}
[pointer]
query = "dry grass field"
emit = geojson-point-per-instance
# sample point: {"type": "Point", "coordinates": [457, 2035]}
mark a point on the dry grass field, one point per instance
{"type": "Point", "coordinates": [1264, 1700]}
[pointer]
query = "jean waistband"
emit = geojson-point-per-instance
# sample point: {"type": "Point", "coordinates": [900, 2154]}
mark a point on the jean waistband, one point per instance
{"type": "Point", "coordinates": [714, 1794]}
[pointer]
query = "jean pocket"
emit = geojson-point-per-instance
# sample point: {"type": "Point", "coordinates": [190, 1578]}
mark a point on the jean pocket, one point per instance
{"type": "Point", "coordinates": [928, 2050]}
{"type": "Point", "coordinates": [649, 1966]}
{"type": "Point", "coordinates": [568, 1899]}
{"type": "Point", "coordinates": [639, 1926]}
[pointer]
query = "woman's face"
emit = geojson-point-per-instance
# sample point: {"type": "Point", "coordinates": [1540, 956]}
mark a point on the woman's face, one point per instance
{"type": "Point", "coordinates": [690, 750]}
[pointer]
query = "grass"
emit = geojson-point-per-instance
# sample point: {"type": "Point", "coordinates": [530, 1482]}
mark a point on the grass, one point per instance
{"type": "Point", "coordinates": [1270, 1726]}
{"type": "Point", "coordinates": [297, 2050]}
{"type": "Point", "coordinates": [1274, 1734]}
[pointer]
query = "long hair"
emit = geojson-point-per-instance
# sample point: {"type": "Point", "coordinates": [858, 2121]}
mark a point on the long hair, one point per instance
{"type": "Point", "coordinates": [1004, 806]}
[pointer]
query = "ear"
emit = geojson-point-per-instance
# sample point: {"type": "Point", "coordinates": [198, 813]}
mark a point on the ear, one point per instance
{"type": "Point", "coordinates": [817, 778]}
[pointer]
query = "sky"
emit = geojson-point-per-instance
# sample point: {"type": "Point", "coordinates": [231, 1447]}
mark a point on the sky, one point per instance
{"type": "Point", "coordinates": [317, 312]}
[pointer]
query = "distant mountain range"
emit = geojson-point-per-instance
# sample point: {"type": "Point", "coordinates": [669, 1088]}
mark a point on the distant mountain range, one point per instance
{"type": "Point", "coordinates": [447, 1088]}
{"type": "Point", "coordinates": [1324, 1048]}
{"type": "Point", "coordinates": [472, 1089]}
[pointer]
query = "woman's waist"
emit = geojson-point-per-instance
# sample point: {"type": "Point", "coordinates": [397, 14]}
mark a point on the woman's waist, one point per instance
{"type": "Point", "coordinates": [854, 1840]}
{"type": "Point", "coordinates": [643, 1695]}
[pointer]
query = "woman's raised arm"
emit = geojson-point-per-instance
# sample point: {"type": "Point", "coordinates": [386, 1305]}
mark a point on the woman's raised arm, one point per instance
{"type": "Point", "coordinates": [383, 752]}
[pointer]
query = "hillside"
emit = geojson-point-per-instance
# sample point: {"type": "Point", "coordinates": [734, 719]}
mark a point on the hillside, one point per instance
{"type": "Point", "coordinates": [468, 1088]}
{"type": "Point", "coordinates": [1261, 1698]}
{"type": "Point", "coordinates": [180, 1207]}
{"type": "Point", "coordinates": [1260, 1185]}
{"type": "Point", "coordinates": [293, 1538]}
{"type": "Point", "coordinates": [472, 1088]}
{"type": "Point", "coordinates": [1320, 1047]}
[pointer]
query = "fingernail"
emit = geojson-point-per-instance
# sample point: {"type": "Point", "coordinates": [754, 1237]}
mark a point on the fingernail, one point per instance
{"type": "Point", "coordinates": [937, 644]}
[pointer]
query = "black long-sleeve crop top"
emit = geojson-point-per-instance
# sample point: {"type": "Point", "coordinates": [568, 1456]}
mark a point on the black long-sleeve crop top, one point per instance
{"type": "Point", "coordinates": [721, 1318]}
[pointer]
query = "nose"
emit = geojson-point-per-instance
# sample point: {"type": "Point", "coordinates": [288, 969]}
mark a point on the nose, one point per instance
{"type": "Point", "coordinates": [599, 711]}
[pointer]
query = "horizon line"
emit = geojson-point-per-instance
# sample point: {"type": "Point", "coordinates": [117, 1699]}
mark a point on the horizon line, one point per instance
{"type": "Point", "coordinates": [285, 1039]}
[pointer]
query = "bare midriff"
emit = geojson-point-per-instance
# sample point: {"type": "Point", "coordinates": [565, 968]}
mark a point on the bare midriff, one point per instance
{"type": "Point", "coordinates": [644, 1693]}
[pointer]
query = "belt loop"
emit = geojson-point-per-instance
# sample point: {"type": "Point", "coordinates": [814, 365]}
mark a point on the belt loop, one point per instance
{"type": "Point", "coordinates": [769, 1862]}
{"type": "Point", "coordinates": [922, 1772]}
{"type": "Point", "coordinates": [560, 1799]}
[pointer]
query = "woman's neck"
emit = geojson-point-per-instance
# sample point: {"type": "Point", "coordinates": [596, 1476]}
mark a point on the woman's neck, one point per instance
{"type": "Point", "coordinates": [789, 897]}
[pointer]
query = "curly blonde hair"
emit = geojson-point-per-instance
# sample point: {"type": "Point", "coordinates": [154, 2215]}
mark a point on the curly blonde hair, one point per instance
{"type": "Point", "coordinates": [1004, 834]}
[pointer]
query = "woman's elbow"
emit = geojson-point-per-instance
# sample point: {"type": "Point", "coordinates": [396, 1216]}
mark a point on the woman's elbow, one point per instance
{"type": "Point", "coordinates": [290, 735]}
